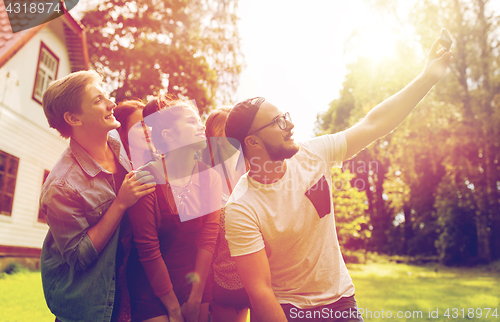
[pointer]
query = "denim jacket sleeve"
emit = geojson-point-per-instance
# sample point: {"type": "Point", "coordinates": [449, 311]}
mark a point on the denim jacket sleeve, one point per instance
{"type": "Point", "coordinates": [79, 283]}
{"type": "Point", "coordinates": [77, 193]}
{"type": "Point", "coordinates": [65, 211]}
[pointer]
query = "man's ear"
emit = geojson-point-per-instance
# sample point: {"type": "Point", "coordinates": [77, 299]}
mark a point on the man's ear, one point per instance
{"type": "Point", "coordinates": [72, 119]}
{"type": "Point", "coordinates": [252, 142]}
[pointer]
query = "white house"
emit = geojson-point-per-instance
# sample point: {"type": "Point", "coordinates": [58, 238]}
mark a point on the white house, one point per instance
{"type": "Point", "coordinates": [29, 61]}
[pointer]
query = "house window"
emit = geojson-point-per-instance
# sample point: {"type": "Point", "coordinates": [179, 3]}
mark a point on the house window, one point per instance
{"type": "Point", "coordinates": [8, 176]}
{"type": "Point", "coordinates": [46, 72]}
{"type": "Point", "coordinates": [41, 215]}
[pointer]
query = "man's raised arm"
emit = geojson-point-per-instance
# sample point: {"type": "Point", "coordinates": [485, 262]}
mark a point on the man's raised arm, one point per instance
{"type": "Point", "coordinates": [255, 275]}
{"type": "Point", "coordinates": [384, 117]}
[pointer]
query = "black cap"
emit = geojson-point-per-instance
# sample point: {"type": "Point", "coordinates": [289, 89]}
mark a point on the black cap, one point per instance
{"type": "Point", "coordinates": [240, 119]}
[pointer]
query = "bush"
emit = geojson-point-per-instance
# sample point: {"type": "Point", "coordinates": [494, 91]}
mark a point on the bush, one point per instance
{"type": "Point", "coordinates": [457, 242]}
{"type": "Point", "coordinates": [351, 257]}
{"type": "Point", "coordinates": [13, 268]}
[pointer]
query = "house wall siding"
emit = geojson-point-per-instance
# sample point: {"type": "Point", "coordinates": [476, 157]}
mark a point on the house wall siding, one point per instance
{"type": "Point", "coordinates": [24, 133]}
{"type": "Point", "coordinates": [25, 64]}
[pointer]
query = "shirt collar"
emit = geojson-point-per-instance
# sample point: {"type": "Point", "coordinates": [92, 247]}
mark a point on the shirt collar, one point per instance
{"type": "Point", "coordinates": [89, 165]}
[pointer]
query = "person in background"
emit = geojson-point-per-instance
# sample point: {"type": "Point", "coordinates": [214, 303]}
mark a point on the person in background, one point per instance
{"type": "Point", "coordinates": [230, 301]}
{"type": "Point", "coordinates": [175, 228]}
{"type": "Point", "coordinates": [129, 114]}
{"type": "Point", "coordinates": [84, 199]}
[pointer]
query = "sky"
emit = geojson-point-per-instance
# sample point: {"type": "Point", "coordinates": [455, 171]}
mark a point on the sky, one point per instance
{"type": "Point", "coordinates": [294, 52]}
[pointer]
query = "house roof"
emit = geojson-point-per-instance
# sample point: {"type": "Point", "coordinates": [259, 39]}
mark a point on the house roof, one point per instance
{"type": "Point", "coordinates": [75, 38]}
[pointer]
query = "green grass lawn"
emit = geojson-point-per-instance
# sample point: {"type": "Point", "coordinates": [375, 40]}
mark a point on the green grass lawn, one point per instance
{"type": "Point", "coordinates": [390, 287]}
{"type": "Point", "coordinates": [413, 289]}
{"type": "Point", "coordinates": [21, 298]}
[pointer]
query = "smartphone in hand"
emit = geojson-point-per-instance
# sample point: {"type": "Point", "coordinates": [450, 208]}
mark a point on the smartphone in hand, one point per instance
{"type": "Point", "coordinates": [445, 39]}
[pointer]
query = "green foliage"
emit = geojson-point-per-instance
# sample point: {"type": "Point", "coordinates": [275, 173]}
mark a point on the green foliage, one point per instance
{"type": "Point", "coordinates": [186, 48]}
{"type": "Point", "coordinates": [471, 153]}
{"type": "Point", "coordinates": [416, 170]}
{"type": "Point", "coordinates": [353, 257]}
{"type": "Point", "coordinates": [367, 84]}
{"type": "Point", "coordinates": [13, 268]}
{"type": "Point", "coordinates": [457, 243]}
{"type": "Point", "coordinates": [349, 208]}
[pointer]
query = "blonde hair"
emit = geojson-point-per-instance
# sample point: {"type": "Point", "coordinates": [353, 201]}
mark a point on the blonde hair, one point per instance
{"type": "Point", "coordinates": [66, 95]}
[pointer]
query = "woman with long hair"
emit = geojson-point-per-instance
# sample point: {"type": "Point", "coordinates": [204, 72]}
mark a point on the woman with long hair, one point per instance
{"type": "Point", "coordinates": [132, 135]}
{"type": "Point", "coordinates": [230, 301]}
{"type": "Point", "coordinates": [174, 228]}
{"type": "Point", "coordinates": [129, 114]}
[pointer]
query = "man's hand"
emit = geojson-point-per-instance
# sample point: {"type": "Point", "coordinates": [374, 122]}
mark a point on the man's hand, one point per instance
{"type": "Point", "coordinates": [437, 62]}
{"type": "Point", "coordinates": [135, 185]}
{"type": "Point", "coordinates": [131, 190]}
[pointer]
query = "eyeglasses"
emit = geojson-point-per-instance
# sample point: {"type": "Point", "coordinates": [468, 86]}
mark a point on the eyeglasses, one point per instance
{"type": "Point", "coordinates": [281, 120]}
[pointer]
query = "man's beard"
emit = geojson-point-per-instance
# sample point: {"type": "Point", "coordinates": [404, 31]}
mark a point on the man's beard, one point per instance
{"type": "Point", "coordinates": [280, 153]}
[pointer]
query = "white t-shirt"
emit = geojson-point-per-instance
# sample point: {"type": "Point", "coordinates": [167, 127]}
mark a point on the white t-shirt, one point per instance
{"type": "Point", "coordinates": [293, 219]}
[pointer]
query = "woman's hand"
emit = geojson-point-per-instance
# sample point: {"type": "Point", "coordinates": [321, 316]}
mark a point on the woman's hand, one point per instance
{"type": "Point", "coordinates": [176, 318]}
{"type": "Point", "coordinates": [172, 305]}
{"type": "Point", "coordinates": [191, 310]}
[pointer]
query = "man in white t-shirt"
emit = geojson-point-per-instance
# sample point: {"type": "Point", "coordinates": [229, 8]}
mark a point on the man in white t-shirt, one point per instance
{"type": "Point", "coordinates": [279, 218]}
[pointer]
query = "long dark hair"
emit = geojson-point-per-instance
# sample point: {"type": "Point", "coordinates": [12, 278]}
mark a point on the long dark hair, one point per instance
{"type": "Point", "coordinates": [122, 113]}
{"type": "Point", "coordinates": [214, 127]}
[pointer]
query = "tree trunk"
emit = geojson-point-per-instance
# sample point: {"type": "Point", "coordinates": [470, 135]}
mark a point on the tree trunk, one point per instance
{"type": "Point", "coordinates": [486, 211]}
{"type": "Point", "coordinates": [461, 62]}
{"type": "Point", "coordinates": [408, 228]}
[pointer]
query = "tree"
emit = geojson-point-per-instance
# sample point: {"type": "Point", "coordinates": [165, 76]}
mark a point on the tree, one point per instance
{"type": "Point", "coordinates": [474, 150]}
{"type": "Point", "coordinates": [349, 208]}
{"type": "Point", "coordinates": [457, 242]}
{"type": "Point", "coordinates": [367, 84]}
{"type": "Point", "coordinates": [439, 170]}
{"type": "Point", "coordinates": [186, 48]}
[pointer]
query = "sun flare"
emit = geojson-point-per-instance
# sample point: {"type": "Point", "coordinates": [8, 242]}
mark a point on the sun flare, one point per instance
{"type": "Point", "coordinates": [378, 43]}
{"type": "Point", "coordinates": [374, 35]}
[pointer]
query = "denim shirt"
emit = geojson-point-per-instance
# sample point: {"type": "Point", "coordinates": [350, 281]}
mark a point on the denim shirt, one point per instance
{"type": "Point", "coordinates": [78, 282]}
